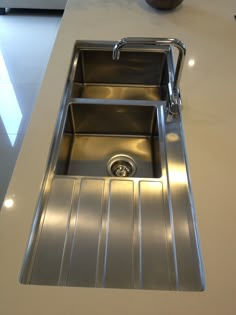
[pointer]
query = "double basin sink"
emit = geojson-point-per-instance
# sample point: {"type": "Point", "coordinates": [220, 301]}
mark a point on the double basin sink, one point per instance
{"type": "Point", "coordinates": [116, 209]}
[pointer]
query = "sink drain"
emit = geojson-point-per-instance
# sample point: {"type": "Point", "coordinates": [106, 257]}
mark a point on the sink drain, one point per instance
{"type": "Point", "coordinates": [121, 166]}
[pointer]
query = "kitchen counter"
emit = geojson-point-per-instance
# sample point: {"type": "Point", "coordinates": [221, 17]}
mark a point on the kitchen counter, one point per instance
{"type": "Point", "coordinates": [209, 112]}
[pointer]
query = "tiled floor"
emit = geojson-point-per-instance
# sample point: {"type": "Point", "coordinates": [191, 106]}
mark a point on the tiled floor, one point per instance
{"type": "Point", "coordinates": [26, 41]}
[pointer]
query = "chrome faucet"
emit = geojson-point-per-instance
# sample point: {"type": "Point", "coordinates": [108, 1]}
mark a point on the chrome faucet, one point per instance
{"type": "Point", "coordinates": [174, 88]}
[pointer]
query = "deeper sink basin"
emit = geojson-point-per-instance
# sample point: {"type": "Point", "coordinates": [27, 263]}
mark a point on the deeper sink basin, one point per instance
{"type": "Point", "coordinates": [115, 209]}
{"type": "Point", "coordinates": [94, 134]}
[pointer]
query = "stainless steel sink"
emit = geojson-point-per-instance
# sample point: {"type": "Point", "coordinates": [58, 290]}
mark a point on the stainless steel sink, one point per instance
{"type": "Point", "coordinates": [98, 138]}
{"type": "Point", "coordinates": [116, 209]}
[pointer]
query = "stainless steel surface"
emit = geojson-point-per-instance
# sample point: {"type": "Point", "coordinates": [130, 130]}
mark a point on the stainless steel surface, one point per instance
{"type": "Point", "coordinates": [106, 235]}
{"type": "Point", "coordinates": [92, 229]}
{"type": "Point", "coordinates": [174, 79]}
{"type": "Point", "coordinates": [95, 133]}
{"type": "Point", "coordinates": [158, 42]}
{"type": "Point", "coordinates": [118, 92]}
{"type": "Point", "coordinates": [134, 77]}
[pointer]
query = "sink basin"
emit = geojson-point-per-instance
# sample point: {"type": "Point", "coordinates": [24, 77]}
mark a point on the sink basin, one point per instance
{"type": "Point", "coordinates": [142, 75]}
{"type": "Point", "coordinates": [128, 131]}
{"type": "Point", "coordinates": [116, 208]}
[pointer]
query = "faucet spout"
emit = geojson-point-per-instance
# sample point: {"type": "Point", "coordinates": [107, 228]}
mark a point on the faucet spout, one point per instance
{"type": "Point", "coordinates": [117, 47]}
{"type": "Point", "coordinates": [175, 102]}
{"type": "Point", "coordinates": [157, 42]}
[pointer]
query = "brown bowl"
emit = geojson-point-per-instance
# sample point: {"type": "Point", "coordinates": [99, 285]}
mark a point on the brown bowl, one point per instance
{"type": "Point", "coordinates": [164, 4]}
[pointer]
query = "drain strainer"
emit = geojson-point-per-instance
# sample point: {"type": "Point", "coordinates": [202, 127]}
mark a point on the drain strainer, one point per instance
{"type": "Point", "coordinates": [121, 165]}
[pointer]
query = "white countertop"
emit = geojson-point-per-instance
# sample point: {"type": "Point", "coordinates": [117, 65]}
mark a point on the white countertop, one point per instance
{"type": "Point", "coordinates": [208, 93]}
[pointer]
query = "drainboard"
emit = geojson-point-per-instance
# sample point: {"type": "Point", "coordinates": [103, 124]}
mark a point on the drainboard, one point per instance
{"type": "Point", "coordinates": [91, 234]}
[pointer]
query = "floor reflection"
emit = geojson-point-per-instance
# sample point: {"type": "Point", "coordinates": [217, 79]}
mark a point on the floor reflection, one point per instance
{"type": "Point", "coordinates": [10, 111]}
{"type": "Point", "coordinates": [26, 42]}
